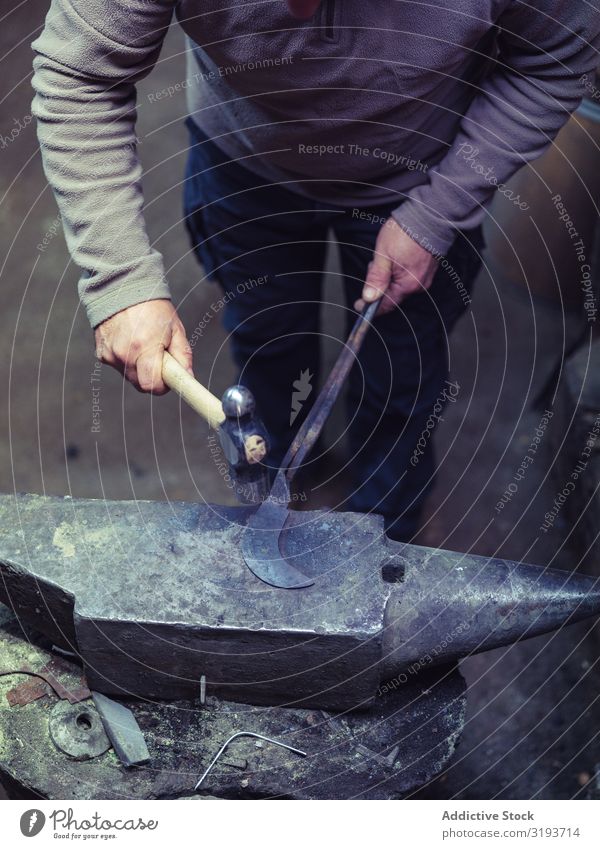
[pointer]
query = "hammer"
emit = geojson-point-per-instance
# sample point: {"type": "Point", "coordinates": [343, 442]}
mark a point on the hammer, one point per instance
{"type": "Point", "coordinates": [242, 435]}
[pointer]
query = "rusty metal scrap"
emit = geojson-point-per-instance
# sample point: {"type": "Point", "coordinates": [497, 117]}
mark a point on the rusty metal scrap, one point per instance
{"type": "Point", "coordinates": [45, 681]}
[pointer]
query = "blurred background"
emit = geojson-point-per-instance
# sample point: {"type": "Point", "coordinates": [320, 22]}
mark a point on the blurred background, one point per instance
{"type": "Point", "coordinates": [526, 346]}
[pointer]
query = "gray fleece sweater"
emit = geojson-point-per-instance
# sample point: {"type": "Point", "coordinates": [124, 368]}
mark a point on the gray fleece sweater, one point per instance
{"type": "Point", "coordinates": [368, 101]}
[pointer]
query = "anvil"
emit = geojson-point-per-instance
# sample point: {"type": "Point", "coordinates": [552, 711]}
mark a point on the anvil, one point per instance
{"type": "Point", "coordinates": [155, 595]}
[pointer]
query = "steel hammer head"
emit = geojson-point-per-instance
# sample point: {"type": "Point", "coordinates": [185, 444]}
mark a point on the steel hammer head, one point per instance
{"type": "Point", "coordinates": [245, 443]}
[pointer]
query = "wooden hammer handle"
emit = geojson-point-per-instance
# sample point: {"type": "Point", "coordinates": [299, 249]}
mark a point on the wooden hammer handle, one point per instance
{"type": "Point", "coordinates": [193, 393]}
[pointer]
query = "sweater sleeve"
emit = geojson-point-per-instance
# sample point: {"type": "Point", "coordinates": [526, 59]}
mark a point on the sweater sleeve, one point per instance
{"type": "Point", "coordinates": [545, 48]}
{"type": "Point", "coordinates": [87, 60]}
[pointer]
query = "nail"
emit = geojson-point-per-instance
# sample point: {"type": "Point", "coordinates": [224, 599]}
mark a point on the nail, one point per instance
{"type": "Point", "coordinates": [369, 294]}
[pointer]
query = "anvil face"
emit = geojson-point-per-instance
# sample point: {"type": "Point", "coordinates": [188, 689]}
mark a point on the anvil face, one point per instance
{"type": "Point", "coordinates": [155, 595]}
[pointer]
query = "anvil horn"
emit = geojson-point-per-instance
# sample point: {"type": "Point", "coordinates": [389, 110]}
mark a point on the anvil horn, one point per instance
{"type": "Point", "coordinates": [472, 604]}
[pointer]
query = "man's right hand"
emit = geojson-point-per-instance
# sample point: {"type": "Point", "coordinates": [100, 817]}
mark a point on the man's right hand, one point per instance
{"type": "Point", "coordinates": [134, 340]}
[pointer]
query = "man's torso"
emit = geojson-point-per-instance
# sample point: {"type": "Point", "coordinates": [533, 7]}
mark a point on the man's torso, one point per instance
{"type": "Point", "coordinates": [368, 93]}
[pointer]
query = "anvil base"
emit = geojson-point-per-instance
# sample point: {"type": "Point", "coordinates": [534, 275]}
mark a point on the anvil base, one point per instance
{"type": "Point", "coordinates": [387, 753]}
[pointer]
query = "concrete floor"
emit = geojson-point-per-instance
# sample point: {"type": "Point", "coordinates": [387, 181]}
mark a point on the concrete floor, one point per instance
{"type": "Point", "coordinates": [533, 724]}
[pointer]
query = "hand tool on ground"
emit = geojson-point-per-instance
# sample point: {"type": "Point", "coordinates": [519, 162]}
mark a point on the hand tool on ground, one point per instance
{"type": "Point", "coordinates": [261, 541]}
{"type": "Point", "coordinates": [241, 433]}
{"type": "Point", "coordinates": [155, 595]}
{"type": "Point", "coordinates": [236, 736]}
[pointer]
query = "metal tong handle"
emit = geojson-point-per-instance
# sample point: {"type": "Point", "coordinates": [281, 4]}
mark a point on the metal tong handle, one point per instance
{"type": "Point", "coordinates": [312, 426]}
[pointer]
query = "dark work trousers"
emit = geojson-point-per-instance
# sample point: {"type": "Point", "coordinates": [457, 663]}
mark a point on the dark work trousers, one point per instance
{"type": "Point", "coordinates": [265, 245]}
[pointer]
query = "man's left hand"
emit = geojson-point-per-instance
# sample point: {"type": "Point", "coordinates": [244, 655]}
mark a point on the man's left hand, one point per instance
{"type": "Point", "coordinates": [399, 268]}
